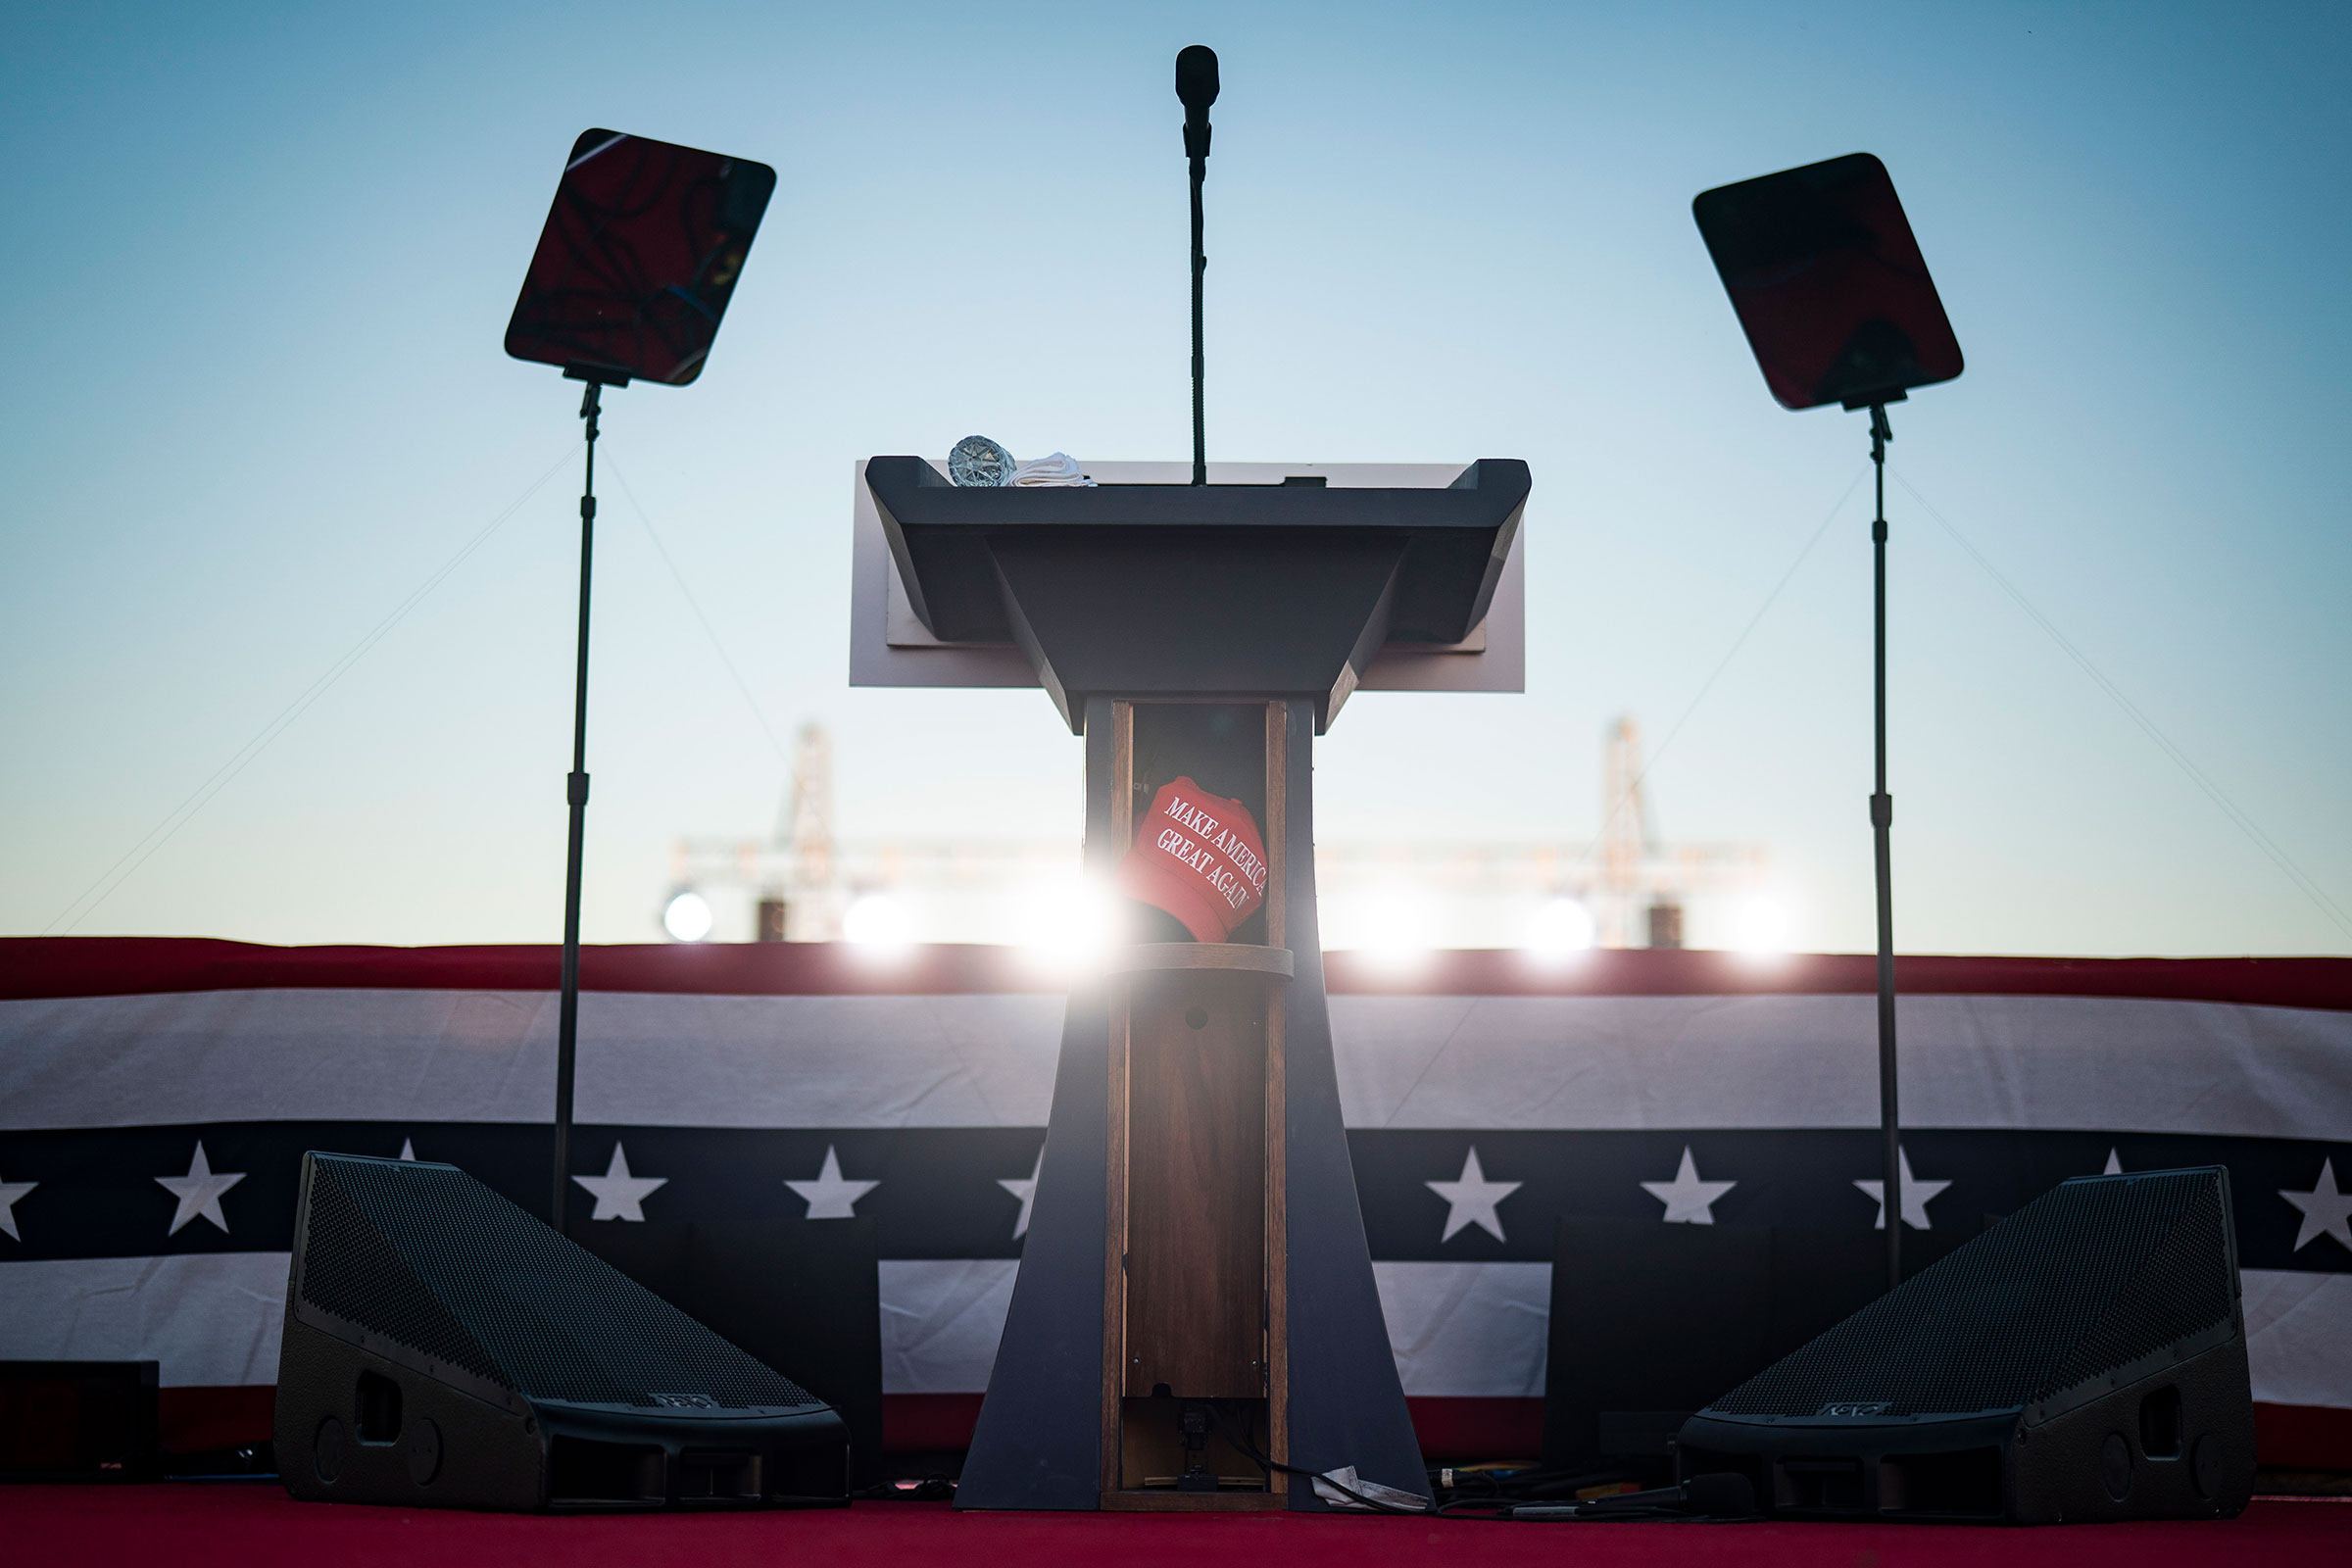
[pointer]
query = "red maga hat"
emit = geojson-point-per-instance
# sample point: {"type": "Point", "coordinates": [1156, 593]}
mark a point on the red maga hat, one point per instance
{"type": "Point", "coordinates": [1199, 857]}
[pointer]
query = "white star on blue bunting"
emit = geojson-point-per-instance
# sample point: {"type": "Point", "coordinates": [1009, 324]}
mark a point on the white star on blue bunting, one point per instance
{"type": "Point", "coordinates": [1915, 1195]}
{"type": "Point", "coordinates": [2326, 1210]}
{"type": "Point", "coordinates": [618, 1194]}
{"type": "Point", "coordinates": [1688, 1199]}
{"type": "Point", "coordinates": [1471, 1200]}
{"type": "Point", "coordinates": [9, 1191]}
{"type": "Point", "coordinates": [199, 1191]}
{"type": "Point", "coordinates": [830, 1196]}
{"type": "Point", "coordinates": [1024, 1188]}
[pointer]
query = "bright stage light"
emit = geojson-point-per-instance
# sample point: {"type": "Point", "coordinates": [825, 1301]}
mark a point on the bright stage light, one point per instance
{"type": "Point", "coordinates": [878, 920]}
{"type": "Point", "coordinates": [1760, 925]}
{"type": "Point", "coordinates": [1559, 929]}
{"type": "Point", "coordinates": [1388, 928]}
{"type": "Point", "coordinates": [687, 917]}
{"type": "Point", "coordinates": [1067, 925]}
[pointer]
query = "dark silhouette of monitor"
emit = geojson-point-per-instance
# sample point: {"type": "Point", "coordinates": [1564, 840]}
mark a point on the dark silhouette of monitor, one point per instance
{"type": "Point", "coordinates": [640, 254]}
{"type": "Point", "coordinates": [1829, 283]}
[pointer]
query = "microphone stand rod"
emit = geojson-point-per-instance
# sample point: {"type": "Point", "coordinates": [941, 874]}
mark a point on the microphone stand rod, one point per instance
{"type": "Point", "coordinates": [1200, 163]}
{"type": "Point", "coordinates": [1196, 90]}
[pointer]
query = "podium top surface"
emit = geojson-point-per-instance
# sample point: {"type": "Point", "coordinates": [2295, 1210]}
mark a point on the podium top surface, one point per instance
{"type": "Point", "coordinates": [1453, 538]}
{"type": "Point", "coordinates": [1481, 496]}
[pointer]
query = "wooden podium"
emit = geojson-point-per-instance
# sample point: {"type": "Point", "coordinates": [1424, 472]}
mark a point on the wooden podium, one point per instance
{"type": "Point", "coordinates": [1195, 1289]}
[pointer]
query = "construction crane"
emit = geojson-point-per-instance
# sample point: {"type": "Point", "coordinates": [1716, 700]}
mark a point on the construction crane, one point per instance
{"type": "Point", "coordinates": [812, 893]}
{"type": "Point", "coordinates": [1644, 885]}
{"type": "Point", "coordinates": [1634, 885]}
{"type": "Point", "coordinates": [805, 880]}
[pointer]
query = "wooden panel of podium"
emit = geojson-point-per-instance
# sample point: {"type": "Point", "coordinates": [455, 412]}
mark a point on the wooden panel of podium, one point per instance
{"type": "Point", "coordinates": [1194, 1298]}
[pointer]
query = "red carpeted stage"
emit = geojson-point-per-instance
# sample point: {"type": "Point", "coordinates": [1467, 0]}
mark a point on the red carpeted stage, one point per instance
{"type": "Point", "coordinates": [243, 1524]}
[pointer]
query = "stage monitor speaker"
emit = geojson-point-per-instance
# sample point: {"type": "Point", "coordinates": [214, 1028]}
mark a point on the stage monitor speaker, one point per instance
{"type": "Point", "coordinates": [2085, 1359]}
{"type": "Point", "coordinates": [443, 1348]}
{"type": "Point", "coordinates": [79, 1421]}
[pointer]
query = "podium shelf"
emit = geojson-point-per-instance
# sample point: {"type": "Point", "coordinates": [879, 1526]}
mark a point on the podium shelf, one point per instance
{"type": "Point", "coordinates": [1232, 956]}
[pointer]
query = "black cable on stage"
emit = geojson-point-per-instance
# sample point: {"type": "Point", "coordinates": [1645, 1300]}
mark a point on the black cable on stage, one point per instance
{"type": "Point", "coordinates": [1635, 1507]}
{"type": "Point", "coordinates": [1246, 1443]}
{"type": "Point", "coordinates": [1718, 1498]}
{"type": "Point", "coordinates": [1525, 1486]}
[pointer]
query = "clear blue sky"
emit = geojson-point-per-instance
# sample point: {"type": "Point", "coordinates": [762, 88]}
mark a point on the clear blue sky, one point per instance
{"type": "Point", "coordinates": [258, 262]}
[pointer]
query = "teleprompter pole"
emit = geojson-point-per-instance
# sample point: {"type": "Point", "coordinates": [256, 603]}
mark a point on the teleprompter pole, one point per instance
{"type": "Point", "coordinates": [575, 790]}
{"type": "Point", "coordinates": [1881, 825]}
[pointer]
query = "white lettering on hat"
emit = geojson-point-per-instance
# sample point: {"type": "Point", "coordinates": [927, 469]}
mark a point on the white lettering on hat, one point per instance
{"type": "Point", "coordinates": [1229, 844]}
{"type": "Point", "coordinates": [1220, 855]}
{"type": "Point", "coordinates": [1192, 816]}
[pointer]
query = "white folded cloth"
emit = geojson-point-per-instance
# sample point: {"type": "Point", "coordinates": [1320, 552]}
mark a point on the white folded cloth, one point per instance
{"type": "Point", "coordinates": [1058, 468]}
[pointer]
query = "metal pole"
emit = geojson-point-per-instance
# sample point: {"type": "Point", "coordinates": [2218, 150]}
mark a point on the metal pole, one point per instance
{"type": "Point", "coordinates": [1200, 164]}
{"type": "Point", "coordinates": [575, 790]}
{"type": "Point", "coordinates": [1881, 823]}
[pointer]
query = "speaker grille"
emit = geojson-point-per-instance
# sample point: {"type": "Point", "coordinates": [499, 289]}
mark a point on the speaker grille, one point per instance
{"type": "Point", "coordinates": [2095, 1273]}
{"type": "Point", "coordinates": [2176, 1293]}
{"type": "Point", "coordinates": [431, 1258]}
{"type": "Point", "coordinates": [350, 1270]}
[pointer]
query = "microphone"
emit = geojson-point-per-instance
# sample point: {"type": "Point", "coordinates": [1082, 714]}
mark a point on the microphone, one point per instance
{"type": "Point", "coordinates": [1197, 89]}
